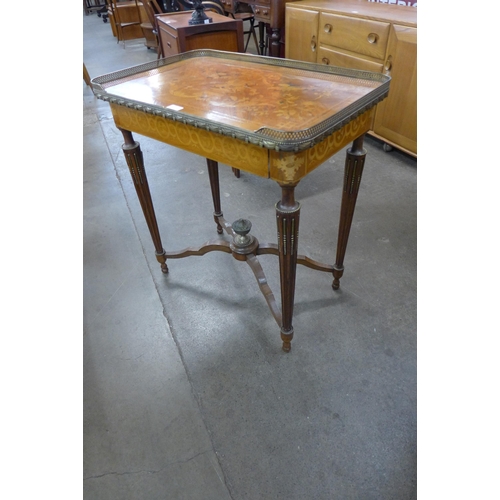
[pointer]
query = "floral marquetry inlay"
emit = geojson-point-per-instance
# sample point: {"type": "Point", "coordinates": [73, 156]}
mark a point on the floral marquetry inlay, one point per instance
{"type": "Point", "coordinates": [339, 139]}
{"type": "Point", "coordinates": [289, 168]}
{"type": "Point", "coordinates": [223, 149]}
{"type": "Point", "coordinates": [250, 97]}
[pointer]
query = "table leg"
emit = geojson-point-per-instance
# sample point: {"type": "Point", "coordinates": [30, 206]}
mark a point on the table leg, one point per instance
{"type": "Point", "coordinates": [287, 215]}
{"type": "Point", "coordinates": [274, 44]}
{"type": "Point", "coordinates": [354, 163]}
{"type": "Point", "coordinates": [133, 155]}
{"type": "Point", "coordinates": [213, 174]}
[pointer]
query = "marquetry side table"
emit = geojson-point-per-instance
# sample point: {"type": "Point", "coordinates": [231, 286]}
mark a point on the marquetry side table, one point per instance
{"type": "Point", "coordinates": [276, 118]}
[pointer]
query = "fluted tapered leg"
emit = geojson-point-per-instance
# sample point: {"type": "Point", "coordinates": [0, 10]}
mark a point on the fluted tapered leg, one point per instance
{"type": "Point", "coordinates": [354, 163]}
{"type": "Point", "coordinates": [287, 216]}
{"type": "Point", "coordinates": [133, 156]}
{"type": "Point", "coordinates": [213, 174]}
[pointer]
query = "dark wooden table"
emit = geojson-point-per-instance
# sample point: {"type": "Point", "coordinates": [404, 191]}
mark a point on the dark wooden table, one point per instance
{"type": "Point", "coordinates": [275, 118]}
{"type": "Point", "coordinates": [270, 13]}
{"type": "Point", "coordinates": [177, 35]}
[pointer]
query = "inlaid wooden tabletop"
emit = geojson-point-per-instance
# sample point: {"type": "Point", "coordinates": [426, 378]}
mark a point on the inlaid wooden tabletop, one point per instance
{"type": "Point", "coordinates": [248, 92]}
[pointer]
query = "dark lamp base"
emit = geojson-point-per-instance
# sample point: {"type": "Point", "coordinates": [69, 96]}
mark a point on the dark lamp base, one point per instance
{"type": "Point", "coordinates": [199, 17]}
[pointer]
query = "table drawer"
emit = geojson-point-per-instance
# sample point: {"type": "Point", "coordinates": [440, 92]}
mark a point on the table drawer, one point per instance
{"type": "Point", "coordinates": [262, 12]}
{"type": "Point", "coordinates": [362, 36]}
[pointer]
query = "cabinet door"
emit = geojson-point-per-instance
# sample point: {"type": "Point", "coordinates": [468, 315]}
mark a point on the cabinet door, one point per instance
{"type": "Point", "coordinates": [396, 116]}
{"type": "Point", "coordinates": [216, 40]}
{"type": "Point", "coordinates": [301, 37]}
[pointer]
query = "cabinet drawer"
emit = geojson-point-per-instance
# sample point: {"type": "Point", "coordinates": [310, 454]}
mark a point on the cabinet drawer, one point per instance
{"type": "Point", "coordinates": [361, 36]}
{"type": "Point", "coordinates": [331, 57]}
{"type": "Point", "coordinates": [168, 42]}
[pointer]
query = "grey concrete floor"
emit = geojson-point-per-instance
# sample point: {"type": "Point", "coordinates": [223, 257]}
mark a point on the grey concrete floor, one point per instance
{"type": "Point", "coordinates": [187, 393]}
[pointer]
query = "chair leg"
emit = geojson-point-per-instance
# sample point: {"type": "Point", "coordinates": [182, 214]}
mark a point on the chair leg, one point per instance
{"type": "Point", "coordinates": [255, 37]}
{"type": "Point", "coordinates": [251, 32]}
{"type": "Point", "coordinates": [248, 37]}
{"type": "Point", "coordinates": [119, 33]}
{"type": "Point", "coordinates": [86, 76]}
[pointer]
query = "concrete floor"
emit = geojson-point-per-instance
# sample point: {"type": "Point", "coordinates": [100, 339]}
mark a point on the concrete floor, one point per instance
{"type": "Point", "coordinates": [187, 393]}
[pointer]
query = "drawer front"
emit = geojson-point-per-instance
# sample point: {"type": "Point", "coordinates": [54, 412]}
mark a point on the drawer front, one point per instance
{"type": "Point", "coordinates": [262, 12]}
{"type": "Point", "coordinates": [331, 57]}
{"type": "Point", "coordinates": [168, 42]}
{"type": "Point", "coordinates": [361, 36]}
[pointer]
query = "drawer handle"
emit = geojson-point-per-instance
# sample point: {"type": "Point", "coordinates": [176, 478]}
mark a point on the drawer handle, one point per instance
{"type": "Point", "coordinates": [328, 28]}
{"type": "Point", "coordinates": [168, 43]}
{"type": "Point", "coordinates": [325, 60]}
{"type": "Point", "coordinates": [372, 38]}
{"type": "Point", "coordinates": [257, 11]}
{"type": "Point", "coordinates": [265, 12]}
{"type": "Point", "coordinates": [388, 64]}
{"type": "Point", "coordinates": [313, 43]}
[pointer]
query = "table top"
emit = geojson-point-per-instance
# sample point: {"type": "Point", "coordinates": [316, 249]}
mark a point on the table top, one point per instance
{"type": "Point", "coordinates": [181, 19]}
{"type": "Point", "coordinates": [276, 103]}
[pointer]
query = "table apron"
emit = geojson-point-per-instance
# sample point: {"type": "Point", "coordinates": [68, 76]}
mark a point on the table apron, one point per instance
{"type": "Point", "coordinates": [287, 168]}
{"type": "Point", "coordinates": [223, 149]}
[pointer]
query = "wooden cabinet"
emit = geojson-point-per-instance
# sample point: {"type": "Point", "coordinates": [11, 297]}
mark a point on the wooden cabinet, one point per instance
{"type": "Point", "coordinates": [396, 116]}
{"type": "Point", "coordinates": [177, 35]}
{"type": "Point", "coordinates": [367, 36]}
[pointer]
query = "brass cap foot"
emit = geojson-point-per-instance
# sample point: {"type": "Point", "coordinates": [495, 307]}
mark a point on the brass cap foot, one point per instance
{"type": "Point", "coordinates": [287, 337]}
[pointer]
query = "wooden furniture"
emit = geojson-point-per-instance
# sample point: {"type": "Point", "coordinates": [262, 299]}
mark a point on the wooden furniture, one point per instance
{"type": "Point", "coordinates": [150, 29]}
{"type": "Point", "coordinates": [129, 11]}
{"type": "Point", "coordinates": [150, 35]}
{"type": "Point", "coordinates": [177, 35]}
{"type": "Point", "coordinates": [369, 36]}
{"type": "Point", "coordinates": [270, 15]}
{"type": "Point", "coordinates": [212, 5]}
{"type": "Point", "coordinates": [270, 117]}
{"type": "Point", "coordinates": [126, 19]}
{"type": "Point", "coordinates": [86, 76]}
{"type": "Point", "coordinates": [243, 11]}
